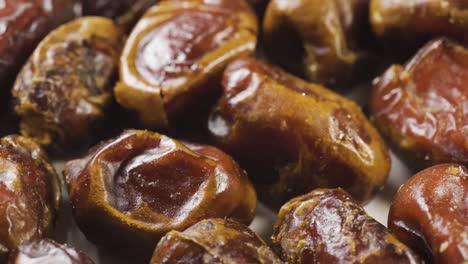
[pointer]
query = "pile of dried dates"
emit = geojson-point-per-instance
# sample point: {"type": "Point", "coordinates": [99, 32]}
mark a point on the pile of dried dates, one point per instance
{"type": "Point", "coordinates": [192, 110]}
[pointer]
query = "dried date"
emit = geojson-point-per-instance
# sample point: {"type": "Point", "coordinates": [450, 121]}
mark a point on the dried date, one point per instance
{"type": "Point", "coordinates": [292, 136]}
{"type": "Point", "coordinates": [131, 190]}
{"type": "Point", "coordinates": [328, 226]}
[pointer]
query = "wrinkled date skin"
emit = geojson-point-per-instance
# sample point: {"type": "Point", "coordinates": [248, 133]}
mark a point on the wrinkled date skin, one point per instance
{"type": "Point", "coordinates": [215, 241]}
{"type": "Point", "coordinates": [23, 24]}
{"type": "Point", "coordinates": [66, 86]}
{"type": "Point", "coordinates": [47, 251]}
{"type": "Point", "coordinates": [174, 58]}
{"type": "Point", "coordinates": [293, 136]}
{"type": "Point", "coordinates": [135, 188]}
{"type": "Point", "coordinates": [29, 193]}
{"type": "Point", "coordinates": [322, 40]}
{"type": "Point", "coordinates": [421, 107]}
{"type": "Point", "coordinates": [409, 23]}
{"type": "Point", "coordinates": [429, 214]}
{"type": "Point", "coordinates": [328, 226]}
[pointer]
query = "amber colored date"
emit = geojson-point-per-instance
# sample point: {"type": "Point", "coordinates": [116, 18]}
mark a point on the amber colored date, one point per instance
{"type": "Point", "coordinates": [292, 136]}
{"type": "Point", "coordinates": [328, 226]}
{"type": "Point", "coordinates": [214, 241]}
{"type": "Point", "coordinates": [421, 106]}
{"type": "Point", "coordinates": [173, 60]}
{"type": "Point", "coordinates": [47, 251]}
{"type": "Point", "coordinates": [408, 23]}
{"type": "Point", "coordinates": [430, 214]}
{"type": "Point", "coordinates": [325, 41]}
{"type": "Point", "coordinates": [23, 23]}
{"type": "Point", "coordinates": [29, 193]}
{"type": "Point", "coordinates": [131, 190]}
{"type": "Point", "coordinates": [66, 86]}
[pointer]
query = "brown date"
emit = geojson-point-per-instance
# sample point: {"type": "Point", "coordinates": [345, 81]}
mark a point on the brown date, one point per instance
{"type": "Point", "coordinates": [46, 251]}
{"type": "Point", "coordinates": [430, 214]}
{"type": "Point", "coordinates": [131, 190]}
{"type": "Point", "coordinates": [215, 241]}
{"type": "Point", "coordinates": [408, 23]}
{"type": "Point", "coordinates": [292, 136]}
{"type": "Point", "coordinates": [328, 226]}
{"type": "Point", "coordinates": [322, 40]}
{"type": "Point", "coordinates": [421, 106]}
{"type": "Point", "coordinates": [23, 23]}
{"type": "Point", "coordinates": [65, 88]}
{"type": "Point", "coordinates": [29, 193]}
{"type": "Point", "coordinates": [173, 60]}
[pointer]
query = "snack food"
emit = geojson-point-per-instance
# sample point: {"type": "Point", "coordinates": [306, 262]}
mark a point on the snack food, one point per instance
{"type": "Point", "coordinates": [175, 55]}
{"type": "Point", "coordinates": [29, 193]}
{"type": "Point", "coordinates": [66, 87]}
{"type": "Point", "coordinates": [133, 189]}
{"type": "Point", "coordinates": [292, 136]}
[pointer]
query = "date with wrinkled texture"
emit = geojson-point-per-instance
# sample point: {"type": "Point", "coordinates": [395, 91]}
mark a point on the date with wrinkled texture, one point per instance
{"type": "Point", "coordinates": [174, 57]}
{"type": "Point", "coordinates": [422, 108]}
{"type": "Point", "coordinates": [131, 190]}
{"type": "Point", "coordinates": [408, 23]}
{"type": "Point", "coordinates": [66, 87]}
{"type": "Point", "coordinates": [47, 251]}
{"type": "Point", "coordinates": [23, 23]}
{"type": "Point", "coordinates": [292, 136]}
{"type": "Point", "coordinates": [29, 193]}
{"type": "Point", "coordinates": [325, 41]}
{"type": "Point", "coordinates": [215, 241]}
{"type": "Point", "coordinates": [328, 226]}
{"type": "Point", "coordinates": [430, 214]}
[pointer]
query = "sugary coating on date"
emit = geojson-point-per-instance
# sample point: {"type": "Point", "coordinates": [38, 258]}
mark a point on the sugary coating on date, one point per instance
{"type": "Point", "coordinates": [46, 251]}
{"type": "Point", "coordinates": [66, 86]}
{"type": "Point", "coordinates": [292, 136]}
{"type": "Point", "coordinates": [29, 193]}
{"type": "Point", "coordinates": [140, 185]}
{"type": "Point", "coordinates": [328, 226]}
{"type": "Point", "coordinates": [214, 241]}
{"type": "Point", "coordinates": [422, 107]}
{"type": "Point", "coordinates": [174, 57]}
{"type": "Point", "coordinates": [430, 214]}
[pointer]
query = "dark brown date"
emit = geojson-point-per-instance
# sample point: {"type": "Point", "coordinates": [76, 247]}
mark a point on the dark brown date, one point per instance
{"type": "Point", "coordinates": [215, 241]}
{"type": "Point", "coordinates": [23, 23]}
{"type": "Point", "coordinates": [328, 226]}
{"type": "Point", "coordinates": [66, 86]}
{"type": "Point", "coordinates": [46, 251]}
{"type": "Point", "coordinates": [421, 107]}
{"type": "Point", "coordinates": [322, 40]}
{"type": "Point", "coordinates": [293, 136]}
{"type": "Point", "coordinates": [408, 23]}
{"type": "Point", "coordinates": [174, 58]}
{"type": "Point", "coordinates": [131, 190]}
{"type": "Point", "coordinates": [29, 193]}
{"type": "Point", "coordinates": [430, 214]}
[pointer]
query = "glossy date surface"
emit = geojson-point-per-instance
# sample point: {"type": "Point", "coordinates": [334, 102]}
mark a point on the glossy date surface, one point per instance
{"type": "Point", "coordinates": [325, 41]}
{"type": "Point", "coordinates": [66, 86]}
{"type": "Point", "coordinates": [429, 214]}
{"type": "Point", "coordinates": [422, 107]}
{"type": "Point", "coordinates": [46, 251]}
{"type": "Point", "coordinates": [408, 23]}
{"type": "Point", "coordinates": [175, 55]}
{"type": "Point", "coordinates": [133, 189]}
{"type": "Point", "coordinates": [292, 136]}
{"type": "Point", "coordinates": [29, 193]}
{"type": "Point", "coordinates": [215, 241]}
{"type": "Point", "coordinates": [23, 23]}
{"type": "Point", "coordinates": [328, 226]}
